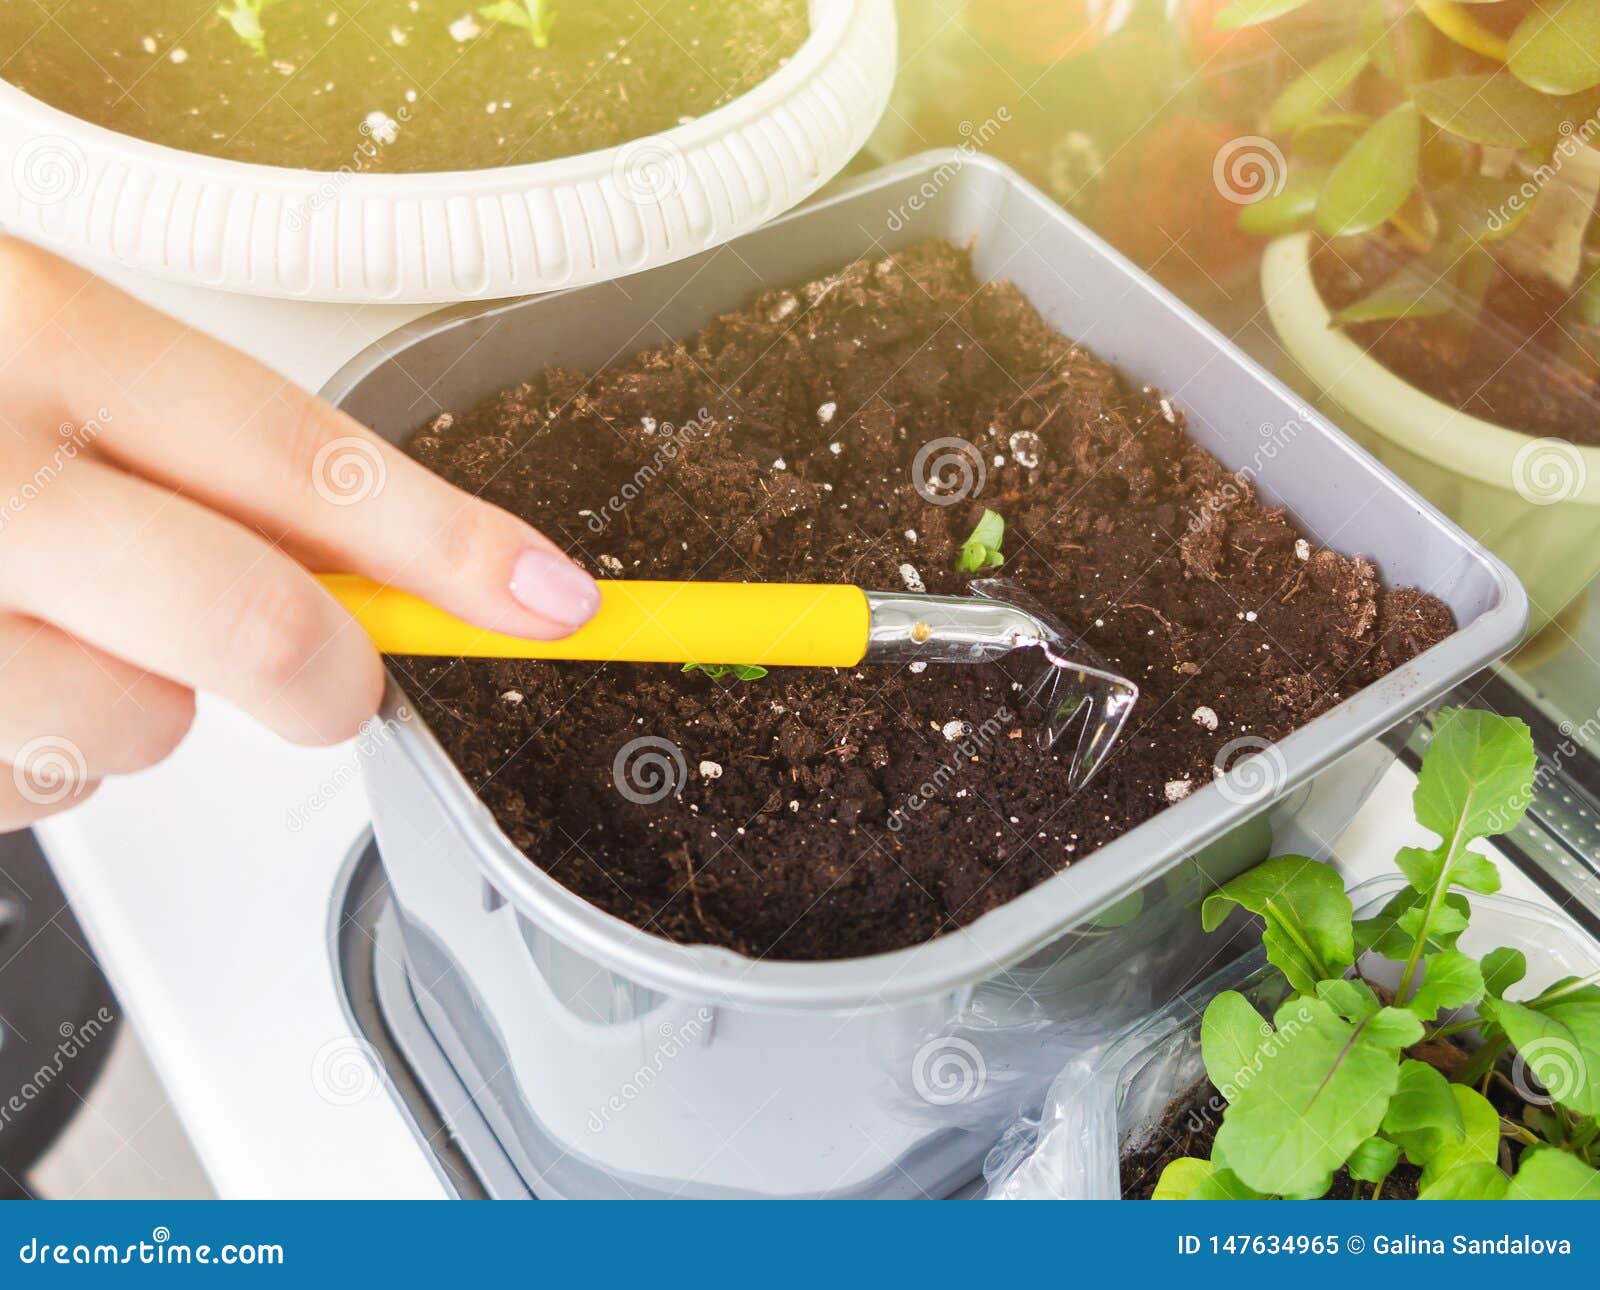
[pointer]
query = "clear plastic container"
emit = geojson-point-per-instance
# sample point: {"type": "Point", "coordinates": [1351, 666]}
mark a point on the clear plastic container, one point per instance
{"type": "Point", "coordinates": [1110, 1101]}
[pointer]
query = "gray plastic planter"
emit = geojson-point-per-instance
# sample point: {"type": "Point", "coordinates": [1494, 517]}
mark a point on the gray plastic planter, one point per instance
{"type": "Point", "coordinates": [1113, 1101]}
{"type": "Point", "coordinates": [613, 1062]}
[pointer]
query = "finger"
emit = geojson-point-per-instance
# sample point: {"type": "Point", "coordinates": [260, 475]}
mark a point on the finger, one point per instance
{"type": "Point", "coordinates": [30, 792]}
{"type": "Point", "coordinates": [201, 418]}
{"type": "Point", "coordinates": [187, 594]}
{"type": "Point", "coordinates": [53, 687]}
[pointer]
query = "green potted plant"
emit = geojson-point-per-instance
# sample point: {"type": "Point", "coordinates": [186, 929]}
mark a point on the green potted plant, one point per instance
{"type": "Point", "coordinates": [1431, 184]}
{"type": "Point", "coordinates": [1395, 1054]}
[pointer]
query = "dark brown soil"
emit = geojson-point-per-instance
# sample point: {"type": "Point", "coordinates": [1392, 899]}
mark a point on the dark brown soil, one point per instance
{"type": "Point", "coordinates": [175, 72]}
{"type": "Point", "coordinates": [809, 844]}
{"type": "Point", "coordinates": [1189, 1129]}
{"type": "Point", "coordinates": [1510, 368]}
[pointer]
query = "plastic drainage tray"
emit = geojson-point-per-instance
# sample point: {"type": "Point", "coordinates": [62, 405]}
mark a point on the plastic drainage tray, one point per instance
{"type": "Point", "coordinates": [667, 1069]}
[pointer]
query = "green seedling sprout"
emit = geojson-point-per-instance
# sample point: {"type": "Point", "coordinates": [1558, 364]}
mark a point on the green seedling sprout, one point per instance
{"type": "Point", "coordinates": [533, 16]}
{"type": "Point", "coordinates": [1342, 1076]}
{"type": "Point", "coordinates": [982, 549]}
{"type": "Point", "coordinates": [728, 671]}
{"type": "Point", "coordinates": [244, 16]}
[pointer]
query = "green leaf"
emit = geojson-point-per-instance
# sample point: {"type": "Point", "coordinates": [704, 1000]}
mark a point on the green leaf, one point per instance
{"type": "Point", "coordinates": [1352, 1000]}
{"type": "Point", "coordinates": [1557, 1036]}
{"type": "Point", "coordinates": [1373, 180]}
{"type": "Point", "coordinates": [982, 549]}
{"type": "Point", "coordinates": [1476, 778]}
{"type": "Point", "coordinates": [1415, 291]}
{"type": "Point", "coordinates": [1248, 13]}
{"type": "Point", "coordinates": [1450, 980]}
{"type": "Point", "coordinates": [1502, 969]}
{"type": "Point", "coordinates": [1423, 1116]}
{"type": "Point", "coordinates": [1479, 1181]}
{"type": "Point", "coordinates": [723, 671]}
{"type": "Point", "coordinates": [1556, 48]}
{"type": "Point", "coordinates": [1191, 1179]}
{"type": "Point", "coordinates": [533, 16]}
{"type": "Point", "coordinates": [1323, 141]}
{"type": "Point", "coordinates": [1394, 929]}
{"type": "Point", "coordinates": [1395, 1028]}
{"type": "Point", "coordinates": [1316, 88]}
{"type": "Point", "coordinates": [1546, 1173]}
{"type": "Point", "coordinates": [1499, 111]}
{"type": "Point", "coordinates": [1479, 1143]}
{"type": "Point", "coordinates": [1231, 1031]}
{"type": "Point", "coordinates": [1373, 1161]}
{"type": "Point", "coordinates": [1321, 1091]}
{"type": "Point", "coordinates": [1308, 935]}
{"type": "Point", "coordinates": [1288, 211]}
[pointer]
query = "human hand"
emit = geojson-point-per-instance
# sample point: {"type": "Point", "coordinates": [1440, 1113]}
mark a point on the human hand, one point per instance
{"type": "Point", "coordinates": [161, 499]}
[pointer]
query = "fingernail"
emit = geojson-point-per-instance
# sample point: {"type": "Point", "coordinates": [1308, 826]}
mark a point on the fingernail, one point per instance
{"type": "Point", "coordinates": [551, 585]}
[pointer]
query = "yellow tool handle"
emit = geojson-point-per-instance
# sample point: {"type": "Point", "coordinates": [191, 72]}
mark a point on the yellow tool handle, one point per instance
{"type": "Point", "coordinates": [760, 623]}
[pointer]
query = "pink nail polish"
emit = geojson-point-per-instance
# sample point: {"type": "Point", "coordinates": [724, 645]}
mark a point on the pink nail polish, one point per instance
{"type": "Point", "coordinates": [551, 585]}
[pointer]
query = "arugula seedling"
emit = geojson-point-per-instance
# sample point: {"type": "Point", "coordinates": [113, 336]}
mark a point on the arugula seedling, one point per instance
{"type": "Point", "coordinates": [982, 549]}
{"type": "Point", "coordinates": [1328, 1084]}
{"type": "Point", "coordinates": [533, 16]}
{"type": "Point", "coordinates": [724, 671]}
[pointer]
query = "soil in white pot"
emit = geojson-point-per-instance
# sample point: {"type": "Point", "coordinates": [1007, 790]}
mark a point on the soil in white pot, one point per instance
{"type": "Point", "coordinates": [1509, 364]}
{"type": "Point", "coordinates": [393, 85]}
{"type": "Point", "coordinates": [825, 814]}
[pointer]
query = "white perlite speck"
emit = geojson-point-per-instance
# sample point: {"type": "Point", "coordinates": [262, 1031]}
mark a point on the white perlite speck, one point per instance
{"type": "Point", "coordinates": [512, 696]}
{"type": "Point", "coordinates": [465, 28]}
{"type": "Point", "coordinates": [826, 411]}
{"type": "Point", "coordinates": [912, 579]}
{"type": "Point", "coordinates": [611, 564]}
{"type": "Point", "coordinates": [918, 668]}
{"type": "Point", "coordinates": [954, 730]}
{"type": "Point", "coordinates": [649, 424]}
{"type": "Point", "coordinates": [381, 127]}
{"type": "Point", "coordinates": [1025, 448]}
{"type": "Point", "coordinates": [1204, 716]}
{"type": "Point", "coordinates": [780, 464]}
{"type": "Point", "coordinates": [911, 535]}
{"type": "Point", "coordinates": [1178, 789]}
{"type": "Point", "coordinates": [1302, 549]}
{"type": "Point", "coordinates": [836, 448]}
{"type": "Point", "coordinates": [710, 770]}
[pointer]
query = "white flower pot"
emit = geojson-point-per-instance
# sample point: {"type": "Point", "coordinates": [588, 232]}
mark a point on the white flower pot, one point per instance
{"type": "Point", "coordinates": [1534, 502]}
{"type": "Point", "coordinates": [367, 238]}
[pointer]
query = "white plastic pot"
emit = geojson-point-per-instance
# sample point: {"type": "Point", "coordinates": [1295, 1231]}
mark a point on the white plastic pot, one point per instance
{"type": "Point", "coordinates": [1114, 1100]}
{"type": "Point", "coordinates": [460, 235]}
{"type": "Point", "coordinates": [1534, 502]}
